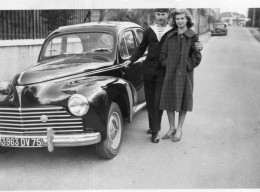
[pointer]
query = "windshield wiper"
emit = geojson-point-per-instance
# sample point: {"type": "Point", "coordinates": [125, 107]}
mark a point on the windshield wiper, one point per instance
{"type": "Point", "coordinates": [97, 50]}
{"type": "Point", "coordinates": [60, 51]}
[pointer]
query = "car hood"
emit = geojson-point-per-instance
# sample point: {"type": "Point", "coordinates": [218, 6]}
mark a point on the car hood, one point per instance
{"type": "Point", "coordinates": [59, 68]}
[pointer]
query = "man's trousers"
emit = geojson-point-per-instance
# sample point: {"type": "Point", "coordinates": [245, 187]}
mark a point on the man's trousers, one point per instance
{"type": "Point", "coordinates": [153, 88]}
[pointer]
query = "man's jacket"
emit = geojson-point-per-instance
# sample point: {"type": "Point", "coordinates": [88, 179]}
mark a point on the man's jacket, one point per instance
{"type": "Point", "coordinates": [152, 64]}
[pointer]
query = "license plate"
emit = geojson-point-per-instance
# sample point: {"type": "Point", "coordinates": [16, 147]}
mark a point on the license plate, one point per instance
{"type": "Point", "coordinates": [21, 142]}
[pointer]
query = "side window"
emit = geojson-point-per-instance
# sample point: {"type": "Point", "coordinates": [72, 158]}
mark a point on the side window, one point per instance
{"type": "Point", "coordinates": [122, 48]}
{"type": "Point", "coordinates": [139, 36]}
{"type": "Point", "coordinates": [130, 42]}
{"type": "Point", "coordinates": [127, 44]}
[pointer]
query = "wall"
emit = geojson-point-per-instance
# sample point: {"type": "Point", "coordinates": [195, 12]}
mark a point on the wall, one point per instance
{"type": "Point", "coordinates": [17, 55]}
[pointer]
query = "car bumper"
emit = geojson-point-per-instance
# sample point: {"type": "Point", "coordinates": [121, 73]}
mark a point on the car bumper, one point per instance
{"type": "Point", "coordinates": [51, 140]}
{"type": "Point", "coordinates": [218, 33]}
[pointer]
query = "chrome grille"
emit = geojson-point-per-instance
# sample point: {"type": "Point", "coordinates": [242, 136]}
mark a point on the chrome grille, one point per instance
{"type": "Point", "coordinates": [28, 121]}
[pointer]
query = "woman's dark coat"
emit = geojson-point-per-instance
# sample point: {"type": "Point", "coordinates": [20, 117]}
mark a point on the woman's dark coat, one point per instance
{"type": "Point", "coordinates": [180, 57]}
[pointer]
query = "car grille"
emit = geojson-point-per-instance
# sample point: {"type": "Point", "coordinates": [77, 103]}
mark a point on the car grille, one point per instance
{"type": "Point", "coordinates": [31, 121]}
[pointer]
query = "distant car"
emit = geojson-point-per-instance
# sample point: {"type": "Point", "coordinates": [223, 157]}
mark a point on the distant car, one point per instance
{"type": "Point", "coordinates": [219, 29]}
{"type": "Point", "coordinates": [78, 93]}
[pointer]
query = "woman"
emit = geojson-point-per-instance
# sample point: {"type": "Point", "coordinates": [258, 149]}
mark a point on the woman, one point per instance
{"type": "Point", "coordinates": [180, 57]}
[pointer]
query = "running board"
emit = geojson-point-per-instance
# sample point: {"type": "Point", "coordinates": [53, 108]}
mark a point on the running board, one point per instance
{"type": "Point", "coordinates": [139, 107]}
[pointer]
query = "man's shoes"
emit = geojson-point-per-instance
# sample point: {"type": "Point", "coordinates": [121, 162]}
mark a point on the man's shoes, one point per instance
{"type": "Point", "coordinates": [149, 131]}
{"type": "Point", "coordinates": [155, 138]}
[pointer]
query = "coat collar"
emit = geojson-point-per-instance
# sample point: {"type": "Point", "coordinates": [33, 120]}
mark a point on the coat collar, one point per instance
{"type": "Point", "coordinates": [189, 33]}
{"type": "Point", "coordinates": [155, 29]}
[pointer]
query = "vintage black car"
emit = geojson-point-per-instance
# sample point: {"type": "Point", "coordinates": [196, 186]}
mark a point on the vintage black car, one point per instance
{"type": "Point", "coordinates": [78, 93]}
{"type": "Point", "coordinates": [219, 29]}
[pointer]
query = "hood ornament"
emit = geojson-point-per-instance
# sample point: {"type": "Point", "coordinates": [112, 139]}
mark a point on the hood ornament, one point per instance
{"type": "Point", "coordinates": [19, 90]}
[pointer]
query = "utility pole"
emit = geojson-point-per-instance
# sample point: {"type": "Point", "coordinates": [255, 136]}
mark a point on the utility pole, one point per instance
{"type": "Point", "coordinates": [253, 23]}
{"type": "Point", "coordinates": [198, 21]}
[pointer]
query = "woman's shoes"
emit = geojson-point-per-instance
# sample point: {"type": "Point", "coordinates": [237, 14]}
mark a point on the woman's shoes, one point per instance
{"type": "Point", "coordinates": [170, 133]}
{"type": "Point", "coordinates": [176, 138]}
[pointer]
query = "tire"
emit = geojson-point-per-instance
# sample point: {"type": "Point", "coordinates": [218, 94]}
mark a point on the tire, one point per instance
{"type": "Point", "coordinates": [109, 148]}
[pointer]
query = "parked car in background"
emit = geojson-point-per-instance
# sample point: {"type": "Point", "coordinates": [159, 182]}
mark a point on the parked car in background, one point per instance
{"type": "Point", "coordinates": [219, 29]}
{"type": "Point", "coordinates": [78, 93]}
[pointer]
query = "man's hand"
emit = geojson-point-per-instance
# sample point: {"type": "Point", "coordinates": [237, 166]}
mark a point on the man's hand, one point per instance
{"type": "Point", "coordinates": [126, 63]}
{"type": "Point", "coordinates": [198, 46]}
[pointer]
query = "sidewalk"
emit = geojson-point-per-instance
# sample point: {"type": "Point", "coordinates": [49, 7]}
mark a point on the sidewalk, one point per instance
{"type": "Point", "coordinates": [20, 42]}
{"type": "Point", "coordinates": [255, 32]}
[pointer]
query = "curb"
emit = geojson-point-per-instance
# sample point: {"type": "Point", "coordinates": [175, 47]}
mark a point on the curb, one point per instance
{"type": "Point", "coordinates": [255, 33]}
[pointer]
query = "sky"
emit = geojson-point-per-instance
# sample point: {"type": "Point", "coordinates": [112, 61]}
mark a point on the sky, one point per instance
{"type": "Point", "coordinates": [239, 6]}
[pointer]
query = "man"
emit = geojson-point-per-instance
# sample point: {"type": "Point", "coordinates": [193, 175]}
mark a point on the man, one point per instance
{"type": "Point", "coordinates": [153, 72]}
{"type": "Point", "coordinates": [225, 24]}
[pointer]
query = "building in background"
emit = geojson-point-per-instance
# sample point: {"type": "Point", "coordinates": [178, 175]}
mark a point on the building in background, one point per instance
{"type": "Point", "coordinates": [204, 18]}
{"type": "Point", "coordinates": [233, 18]}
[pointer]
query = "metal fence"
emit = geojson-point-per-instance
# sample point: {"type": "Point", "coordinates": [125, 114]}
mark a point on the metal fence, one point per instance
{"type": "Point", "coordinates": [36, 24]}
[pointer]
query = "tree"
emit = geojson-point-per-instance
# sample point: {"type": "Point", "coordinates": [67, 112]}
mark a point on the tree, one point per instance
{"type": "Point", "coordinates": [143, 17]}
{"type": "Point", "coordinates": [56, 18]}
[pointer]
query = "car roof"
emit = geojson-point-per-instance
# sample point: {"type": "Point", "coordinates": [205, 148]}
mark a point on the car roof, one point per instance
{"type": "Point", "coordinates": [113, 26]}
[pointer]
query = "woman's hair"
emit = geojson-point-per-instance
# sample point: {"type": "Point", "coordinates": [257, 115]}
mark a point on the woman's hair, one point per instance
{"type": "Point", "coordinates": [173, 14]}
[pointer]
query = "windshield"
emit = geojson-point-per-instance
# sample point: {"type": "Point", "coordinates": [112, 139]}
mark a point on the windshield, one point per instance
{"type": "Point", "coordinates": [94, 43]}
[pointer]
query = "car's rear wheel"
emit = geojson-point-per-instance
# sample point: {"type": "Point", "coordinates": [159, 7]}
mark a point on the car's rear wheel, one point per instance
{"type": "Point", "coordinates": [109, 148]}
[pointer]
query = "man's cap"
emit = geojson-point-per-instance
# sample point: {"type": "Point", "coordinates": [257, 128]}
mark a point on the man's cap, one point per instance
{"type": "Point", "coordinates": [161, 10]}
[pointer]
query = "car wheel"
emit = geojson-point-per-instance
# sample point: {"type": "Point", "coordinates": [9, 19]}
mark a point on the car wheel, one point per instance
{"type": "Point", "coordinates": [109, 148]}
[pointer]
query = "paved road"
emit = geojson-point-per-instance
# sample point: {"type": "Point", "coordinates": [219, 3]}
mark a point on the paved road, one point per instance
{"type": "Point", "coordinates": [219, 148]}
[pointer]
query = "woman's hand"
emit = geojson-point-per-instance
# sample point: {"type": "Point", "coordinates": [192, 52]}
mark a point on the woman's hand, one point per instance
{"type": "Point", "coordinates": [198, 46]}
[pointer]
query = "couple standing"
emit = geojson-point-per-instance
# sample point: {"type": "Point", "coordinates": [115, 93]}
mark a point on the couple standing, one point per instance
{"type": "Point", "coordinates": [168, 70]}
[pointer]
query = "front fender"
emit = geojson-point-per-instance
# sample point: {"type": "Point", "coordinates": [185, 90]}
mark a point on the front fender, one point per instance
{"type": "Point", "coordinates": [100, 92]}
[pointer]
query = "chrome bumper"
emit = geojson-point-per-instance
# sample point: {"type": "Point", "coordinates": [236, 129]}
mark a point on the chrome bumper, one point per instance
{"type": "Point", "coordinates": [51, 140]}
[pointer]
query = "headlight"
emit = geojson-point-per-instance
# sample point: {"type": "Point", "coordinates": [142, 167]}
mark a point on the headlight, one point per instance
{"type": "Point", "coordinates": [78, 105]}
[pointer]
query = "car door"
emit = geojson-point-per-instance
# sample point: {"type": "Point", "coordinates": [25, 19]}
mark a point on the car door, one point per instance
{"type": "Point", "coordinates": [128, 43]}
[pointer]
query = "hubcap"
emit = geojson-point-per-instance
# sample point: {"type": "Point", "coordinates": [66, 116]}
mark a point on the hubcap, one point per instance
{"type": "Point", "coordinates": [114, 130]}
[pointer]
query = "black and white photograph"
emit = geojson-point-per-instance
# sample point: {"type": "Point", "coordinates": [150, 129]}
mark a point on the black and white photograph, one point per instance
{"type": "Point", "coordinates": [129, 95]}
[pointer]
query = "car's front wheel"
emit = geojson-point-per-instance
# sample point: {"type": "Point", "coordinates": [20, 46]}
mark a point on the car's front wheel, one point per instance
{"type": "Point", "coordinates": [109, 148]}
